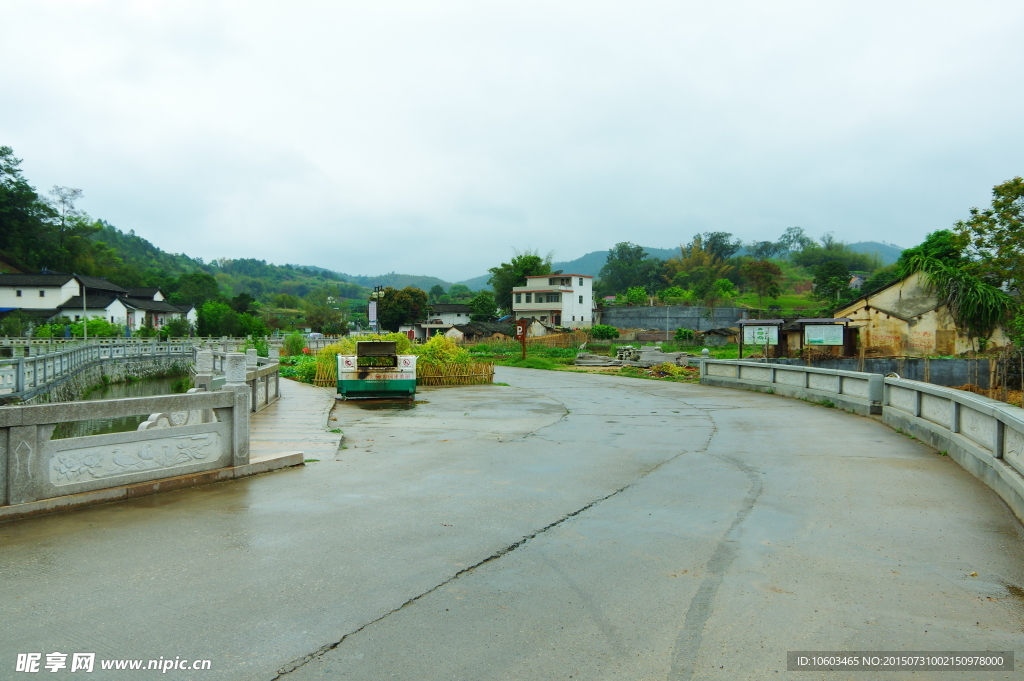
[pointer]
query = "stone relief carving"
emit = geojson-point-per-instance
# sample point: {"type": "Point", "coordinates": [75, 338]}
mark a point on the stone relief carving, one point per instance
{"type": "Point", "coordinates": [92, 463]}
{"type": "Point", "coordinates": [261, 392]}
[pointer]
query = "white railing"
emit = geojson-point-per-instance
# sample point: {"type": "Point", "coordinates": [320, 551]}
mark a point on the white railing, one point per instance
{"type": "Point", "coordinates": [853, 390]}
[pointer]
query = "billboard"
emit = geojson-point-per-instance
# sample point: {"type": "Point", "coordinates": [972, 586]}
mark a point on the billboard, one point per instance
{"type": "Point", "coordinates": [823, 334]}
{"type": "Point", "coordinates": [760, 335]}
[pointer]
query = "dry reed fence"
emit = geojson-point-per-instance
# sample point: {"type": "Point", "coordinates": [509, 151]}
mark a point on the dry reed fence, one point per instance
{"type": "Point", "coordinates": [472, 373]}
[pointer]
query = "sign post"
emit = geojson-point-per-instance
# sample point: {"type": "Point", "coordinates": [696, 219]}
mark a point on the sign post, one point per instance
{"type": "Point", "coordinates": [521, 325]}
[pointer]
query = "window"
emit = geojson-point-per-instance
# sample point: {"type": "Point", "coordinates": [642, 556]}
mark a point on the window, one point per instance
{"type": "Point", "coordinates": [554, 298]}
{"type": "Point", "coordinates": [519, 297]}
{"type": "Point", "coordinates": [552, 281]}
{"type": "Point", "coordinates": [18, 293]}
{"type": "Point", "coordinates": [543, 319]}
{"type": "Point", "coordinates": [528, 297]}
{"type": "Point", "coordinates": [581, 281]}
{"type": "Point", "coordinates": [574, 317]}
{"type": "Point", "coordinates": [581, 300]}
{"type": "Point", "coordinates": [458, 314]}
{"type": "Point", "coordinates": [42, 294]}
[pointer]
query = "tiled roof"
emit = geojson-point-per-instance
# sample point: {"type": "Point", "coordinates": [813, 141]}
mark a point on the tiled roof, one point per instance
{"type": "Point", "coordinates": [93, 301]}
{"type": "Point", "coordinates": [35, 279]}
{"type": "Point", "coordinates": [151, 305]}
{"type": "Point", "coordinates": [101, 284]}
{"type": "Point", "coordinates": [447, 308]}
{"type": "Point", "coordinates": [145, 292]}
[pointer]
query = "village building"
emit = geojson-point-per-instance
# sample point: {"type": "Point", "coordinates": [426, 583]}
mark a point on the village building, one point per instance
{"type": "Point", "coordinates": [481, 332]}
{"type": "Point", "coordinates": [905, 318]}
{"type": "Point", "coordinates": [47, 296]}
{"type": "Point", "coordinates": [556, 299]}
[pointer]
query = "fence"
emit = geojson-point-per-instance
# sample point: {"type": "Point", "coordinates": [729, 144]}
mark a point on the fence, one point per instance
{"type": "Point", "coordinates": [26, 377]}
{"type": "Point", "coordinates": [200, 431]}
{"type": "Point", "coordinates": [472, 373]}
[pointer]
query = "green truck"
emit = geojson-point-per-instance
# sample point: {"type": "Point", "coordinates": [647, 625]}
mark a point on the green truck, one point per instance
{"type": "Point", "coordinates": [376, 371]}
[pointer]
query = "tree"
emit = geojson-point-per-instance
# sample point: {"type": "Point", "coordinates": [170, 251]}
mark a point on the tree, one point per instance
{"type": "Point", "coordinates": [323, 308]}
{"type": "Point", "coordinates": [764, 276]}
{"type": "Point", "coordinates": [217, 319]}
{"type": "Point", "coordinates": [996, 235]}
{"type": "Point", "coordinates": [720, 244]}
{"type": "Point", "coordinates": [763, 250]}
{"type": "Point", "coordinates": [696, 268]}
{"type": "Point", "coordinates": [941, 245]}
{"type": "Point", "coordinates": [178, 327]}
{"type": "Point", "coordinates": [436, 291]}
{"type": "Point", "coordinates": [459, 292]}
{"type": "Point", "coordinates": [243, 303]}
{"type": "Point", "coordinates": [793, 240]}
{"type": "Point", "coordinates": [482, 307]}
{"type": "Point", "coordinates": [196, 288]}
{"type": "Point", "coordinates": [508, 275]}
{"type": "Point", "coordinates": [628, 266]}
{"type": "Point", "coordinates": [831, 279]}
{"type": "Point", "coordinates": [26, 232]}
{"type": "Point", "coordinates": [636, 295]}
{"type": "Point", "coordinates": [396, 307]}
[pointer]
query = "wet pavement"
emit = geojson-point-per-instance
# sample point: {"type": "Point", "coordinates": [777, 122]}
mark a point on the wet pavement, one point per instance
{"type": "Point", "coordinates": [565, 526]}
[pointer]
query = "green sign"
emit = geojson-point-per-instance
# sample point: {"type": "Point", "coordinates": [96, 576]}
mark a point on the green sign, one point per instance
{"type": "Point", "coordinates": [760, 335]}
{"type": "Point", "coordinates": [823, 334]}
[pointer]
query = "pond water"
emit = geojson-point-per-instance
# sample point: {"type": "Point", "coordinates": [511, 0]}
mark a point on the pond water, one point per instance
{"type": "Point", "coordinates": [143, 388]}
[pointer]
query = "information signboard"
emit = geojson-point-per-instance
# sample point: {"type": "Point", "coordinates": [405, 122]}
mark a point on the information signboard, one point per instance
{"type": "Point", "coordinates": [823, 334]}
{"type": "Point", "coordinates": [760, 335]}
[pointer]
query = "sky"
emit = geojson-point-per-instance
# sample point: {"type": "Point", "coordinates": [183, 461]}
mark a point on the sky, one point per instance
{"type": "Point", "coordinates": [437, 137]}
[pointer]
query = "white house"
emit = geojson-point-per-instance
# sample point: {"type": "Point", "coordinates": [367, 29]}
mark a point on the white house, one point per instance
{"type": "Point", "coordinates": [556, 299]}
{"type": "Point", "coordinates": [37, 291]}
{"type": "Point", "coordinates": [57, 295]}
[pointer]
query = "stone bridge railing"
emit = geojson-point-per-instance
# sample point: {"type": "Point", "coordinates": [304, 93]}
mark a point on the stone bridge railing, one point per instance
{"type": "Point", "coordinates": [984, 436]}
{"type": "Point", "coordinates": [850, 390]}
{"type": "Point", "coordinates": [215, 370]}
{"type": "Point", "coordinates": [200, 431]}
{"type": "Point", "coordinates": [25, 376]}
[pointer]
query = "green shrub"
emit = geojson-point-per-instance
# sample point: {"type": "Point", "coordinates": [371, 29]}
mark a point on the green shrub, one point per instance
{"type": "Point", "coordinates": [683, 334]}
{"type": "Point", "coordinates": [603, 332]}
{"type": "Point", "coordinates": [293, 344]}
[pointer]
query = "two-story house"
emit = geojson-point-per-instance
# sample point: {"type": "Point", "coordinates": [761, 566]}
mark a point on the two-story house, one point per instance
{"type": "Point", "coordinates": [556, 299]}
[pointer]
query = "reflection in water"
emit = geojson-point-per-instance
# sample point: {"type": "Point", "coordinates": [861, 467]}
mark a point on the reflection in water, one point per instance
{"type": "Point", "coordinates": [143, 388]}
{"type": "Point", "coordinates": [385, 404]}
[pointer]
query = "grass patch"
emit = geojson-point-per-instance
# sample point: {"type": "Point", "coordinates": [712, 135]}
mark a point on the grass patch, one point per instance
{"type": "Point", "coordinates": [312, 460]}
{"type": "Point", "coordinates": [335, 430]}
{"type": "Point", "coordinates": [499, 383]}
{"type": "Point", "coordinates": [531, 363]}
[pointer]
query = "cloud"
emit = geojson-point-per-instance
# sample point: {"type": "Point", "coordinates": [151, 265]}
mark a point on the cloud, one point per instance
{"type": "Point", "coordinates": [435, 137]}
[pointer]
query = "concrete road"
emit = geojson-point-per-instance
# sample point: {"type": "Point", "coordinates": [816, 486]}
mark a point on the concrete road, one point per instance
{"type": "Point", "coordinates": [565, 526]}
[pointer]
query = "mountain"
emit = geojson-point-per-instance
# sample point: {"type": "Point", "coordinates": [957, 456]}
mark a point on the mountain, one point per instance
{"type": "Point", "coordinates": [888, 252]}
{"type": "Point", "coordinates": [590, 264]}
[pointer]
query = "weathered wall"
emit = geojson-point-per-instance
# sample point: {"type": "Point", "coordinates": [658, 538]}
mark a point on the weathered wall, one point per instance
{"type": "Point", "coordinates": [117, 370]}
{"type": "Point", "coordinates": [905, 319]}
{"type": "Point", "coordinates": [678, 317]}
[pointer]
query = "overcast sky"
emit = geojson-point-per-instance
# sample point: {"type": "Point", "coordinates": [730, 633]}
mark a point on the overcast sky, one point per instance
{"type": "Point", "coordinates": [434, 137]}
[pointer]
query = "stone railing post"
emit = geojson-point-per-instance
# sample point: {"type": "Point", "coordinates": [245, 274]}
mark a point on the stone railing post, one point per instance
{"type": "Point", "coordinates": [251, 358]}
{"type": "Point", "coordinates": [274, 355]}
{"type": "Point", "coordinates": [204, 369]}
